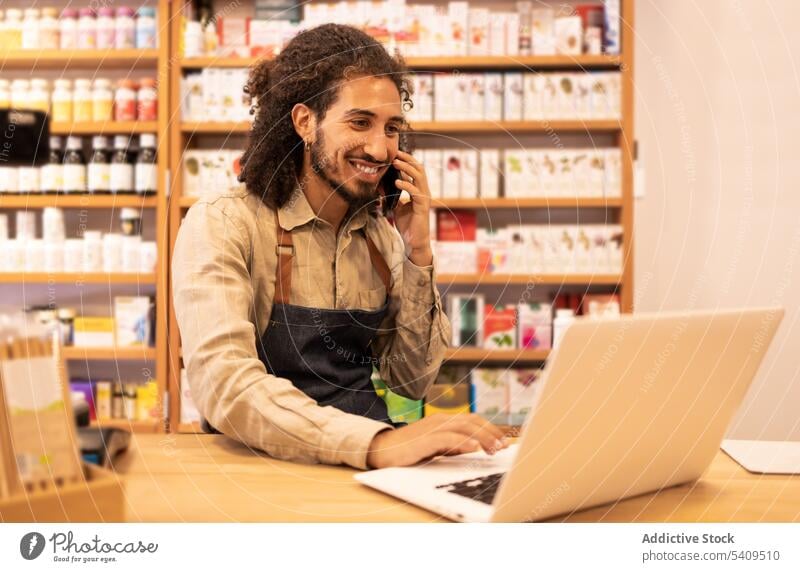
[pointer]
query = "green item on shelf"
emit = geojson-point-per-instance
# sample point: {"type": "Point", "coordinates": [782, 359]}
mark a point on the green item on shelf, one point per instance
{"type": "Point", "coordinates": [401, 409]}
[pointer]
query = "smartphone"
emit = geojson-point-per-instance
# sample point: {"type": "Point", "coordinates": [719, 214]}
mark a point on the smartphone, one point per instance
{"type": "Point", "coordinates": [391, 193]}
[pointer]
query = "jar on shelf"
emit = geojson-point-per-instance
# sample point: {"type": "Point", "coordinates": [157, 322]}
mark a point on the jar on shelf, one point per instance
{"type": "Point", "coordinates": [30, 29]}
{"type": "Point", "coordinates": [9, 180]}
{"type": "Point", "coordinates": [146, 29]}
{"type": "Point", "coordinates": [106, 28]}
{"type": "Point", "coordinates": [62, 101]}
{"type": "Point", "coordinates": [102, 100]}
{"type": "Point", "coordinates": [82, 100]}
{"type": "Point", "coordinates": [125, 101]}
{"type": "Point", "coordinates": [74, 167]}
{"type": "Point", "coordinates": [193, 42]}
{"type": "Point", "coordinates": [5, 93]}
{"type": "Point", "coordinates": [40, 95]}
{"type": "Point", "coordinates": [28, 180]}
{"type": "Point", "coordinates": [49, 29]}
{"type": "Point", "coordinates": [20, 94]}
{"type": "Point", "coordinates": [147, 100]}
{"type": "Point", "coordinates": [66, 321]}
{"type": "Point", "coordinates": [125, 28]}
{"type": "Point", "coordinates": [13, 29]}
{"type": "Point", "coordinates": [68, 29]}
{"type": "Point", "coordinates": [87, 29]}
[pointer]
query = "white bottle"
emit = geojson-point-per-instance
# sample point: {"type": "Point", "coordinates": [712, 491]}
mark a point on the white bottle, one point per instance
{"type": "Point", "coordinates": [30, 29]}
{"type": "Point", "coordinates": [39, 95]}
{"type": "Point", "coordinates": [564, 317]}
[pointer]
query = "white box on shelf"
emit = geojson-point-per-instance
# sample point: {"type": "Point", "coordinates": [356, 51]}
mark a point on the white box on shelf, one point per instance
{"type": "Point", "coordinates": [512, 104]}
{"type": "Point", "coordinates": [522, 390]}
{"type": "Point", "coordinates": [512, 33]}
{"type": "Point", "coordinates": [490, 394]}
{"type": "Point", "coordinates": [497, 33]}
{"type": "Point", "coordinates": [451, 174]}
{"type": "Point", "coordinates": [542, 29]}
{"type": "Point", "coordinates": [612, 185]}
{"type": "Point", "coordinates": [549, 173]}
{"type": "Point", "coordinates": [489, 173]}
{"type": "Point", "coordinates": [422, 99]}
{"type": "Point", "coordinates": [469, 174]}
{"type": "Point", "coordinates": [580, 173]}
{"type": "Point", "coordinates": [514, 173]}
{"type": "Point", "coordinates": [189, 412]}
{"type": "Point", "coordinates": [569, 35]}
{"type": "Point", "coordinates": [456, 257]}
{"type": "Point", "coordinates": [443, 97]}
{"type": "Point", "coordinates": [550, 108]}
{"type": "Point", "coordinates": [433, 168]}
{"type": "Point", "coordinates": [132, 320]}
{"type": "Point", "coordinates": [478, 32]}
{"type": "Point", "coordinates": [476, 97]}
{"type": "Point", "coordinates": [493, 97]}
{"type": "Point", "coordinates": [532, 96]}
{"type": "Point", "coordinates": [612, 26]}
{"type": "Point", "coordinates": [458, 14]}
{"type": "Point", "coordinates": [583, 96]}
{"type": "Point", "coordinates": [596, 177]}
{"type": "Point", "coordinates": [533, 173]}
{"type": "Point", "coordinates": [460, 97]}
{"type": "Point", "coordinates": [565, 95]}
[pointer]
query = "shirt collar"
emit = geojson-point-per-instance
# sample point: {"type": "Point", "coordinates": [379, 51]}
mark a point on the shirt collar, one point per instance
{"type": "Point", "coordinates": [296, 211]}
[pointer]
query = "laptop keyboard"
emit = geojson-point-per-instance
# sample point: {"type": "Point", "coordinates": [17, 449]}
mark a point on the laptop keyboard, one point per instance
{"type": "Point", "coordinates": [481, 489]}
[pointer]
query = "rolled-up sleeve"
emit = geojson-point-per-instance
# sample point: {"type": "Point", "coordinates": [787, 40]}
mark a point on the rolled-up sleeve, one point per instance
{"type": "Point", "coordinates": [213, 300]}
{"type": "Point", "coordinates": [414, 336]}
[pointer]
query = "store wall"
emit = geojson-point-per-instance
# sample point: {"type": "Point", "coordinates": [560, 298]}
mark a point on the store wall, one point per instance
{"type": "Point", "coordinates": [718, 118]}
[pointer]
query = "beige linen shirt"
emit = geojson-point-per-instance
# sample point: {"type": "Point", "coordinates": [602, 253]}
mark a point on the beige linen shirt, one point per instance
{"type": "Point", "coordinates": [223, 282]}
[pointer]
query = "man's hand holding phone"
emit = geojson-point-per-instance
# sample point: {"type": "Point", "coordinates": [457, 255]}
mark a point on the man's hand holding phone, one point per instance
{"type": "Point", "coordinates": [412, 216]}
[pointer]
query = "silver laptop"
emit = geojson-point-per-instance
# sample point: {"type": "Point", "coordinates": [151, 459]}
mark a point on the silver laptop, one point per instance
{"type": "Point", "coordinates": [626, 406]}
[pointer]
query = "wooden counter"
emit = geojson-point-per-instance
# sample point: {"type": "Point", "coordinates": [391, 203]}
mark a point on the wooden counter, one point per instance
{"type": "Point", "coordinates": [210, 478]}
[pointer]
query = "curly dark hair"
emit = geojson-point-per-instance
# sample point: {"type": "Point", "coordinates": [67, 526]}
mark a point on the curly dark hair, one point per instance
{"type": "Point", "coordinates": [306, 71]}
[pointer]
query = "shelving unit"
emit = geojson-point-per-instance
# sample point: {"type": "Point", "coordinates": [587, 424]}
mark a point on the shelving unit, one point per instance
{"type": "Point", "coordinates": [97, 62]}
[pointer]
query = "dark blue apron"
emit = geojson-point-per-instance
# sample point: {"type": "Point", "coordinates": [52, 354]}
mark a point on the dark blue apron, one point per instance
{"type": "Point", "coordinates": [324, 353]}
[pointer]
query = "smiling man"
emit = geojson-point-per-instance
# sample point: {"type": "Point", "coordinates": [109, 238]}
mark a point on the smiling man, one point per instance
{"type": "Point", "coordinates": [288, 292]}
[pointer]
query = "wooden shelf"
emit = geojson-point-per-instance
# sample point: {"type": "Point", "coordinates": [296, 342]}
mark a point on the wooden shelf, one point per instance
{"type": "Point", "coordinates": [130, 425]}
{"type": "Point", "coordinates": [480, 355]}
{"type": "Point", "coordinates": [503, 203]}
{"type": "Point", "coordinates": [78, 278]}
{"type": "Point", "coordinates": [103, 127]}
{"type": "Point", "coordinates": [436, 127]}
{"type": "Point", "coordinates": [215, 126]}
{"type": "Point", "coordinates": [532, 202]}
{"type": "Point", "coordinates": [540, 126]}
{"type": "Point", "coordinates": [454, 62]}
{"type": "Point", "coordinates": [555, 279]}
{"type": "Point", "coordinates": [83, 201]}
{"type": "Point", "coordinates": [77, 353]}
{"type": "Point", "coordinates": [78, 59]}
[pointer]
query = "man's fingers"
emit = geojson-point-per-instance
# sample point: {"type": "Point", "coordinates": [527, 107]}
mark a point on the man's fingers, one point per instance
{"type": "Point", "coordinates": [490, 437]}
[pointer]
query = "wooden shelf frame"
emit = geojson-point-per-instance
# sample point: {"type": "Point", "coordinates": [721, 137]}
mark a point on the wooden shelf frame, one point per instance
{"type": "Point", "coordinates": [82, 201]}
{"type": "Point", "coordinates": [79, 59]}
{"type": "Point", "coordinates": [621, 131]}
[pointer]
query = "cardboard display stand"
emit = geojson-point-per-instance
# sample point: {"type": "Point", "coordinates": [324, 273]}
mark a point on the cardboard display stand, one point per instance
{"type": "Point", "coordinates": [41, 475]}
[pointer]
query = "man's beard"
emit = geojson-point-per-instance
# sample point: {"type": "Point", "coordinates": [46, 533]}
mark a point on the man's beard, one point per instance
{"type": "Point", "coordinates": [366, 195]}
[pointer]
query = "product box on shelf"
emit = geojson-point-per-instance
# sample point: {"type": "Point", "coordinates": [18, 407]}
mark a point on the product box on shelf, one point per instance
{"type": "Point", "coordinates": [534, 325]}
{"type": "Point", "coordinates": [490, 394]}
{"type": "Point", "coordinates": [522, 390]}
{"type": "Point", "coordinates": [499, 327]}
{"type": "Point", "coordinates": [132, 319]}
{"type": "Point", "coordinates": [466, 318]}
{"type": "Point", "coordinates": [93, 332]}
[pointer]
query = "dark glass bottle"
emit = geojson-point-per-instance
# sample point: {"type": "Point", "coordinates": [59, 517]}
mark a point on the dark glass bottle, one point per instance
{"type": "Point", "coordinates": [121, 167]}
{"type": "Point", "coordinates": [74, 167]}
{"type": "Point", "coordinates": [99, 169]}
{"type": "Point", "coordinates": [146, 174]}
{"type": "Point", "coordinates": [52, 175]}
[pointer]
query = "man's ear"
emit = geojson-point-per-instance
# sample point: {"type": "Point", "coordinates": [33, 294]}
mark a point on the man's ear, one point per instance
{"type": "Point", "coordinates": [305, 123]}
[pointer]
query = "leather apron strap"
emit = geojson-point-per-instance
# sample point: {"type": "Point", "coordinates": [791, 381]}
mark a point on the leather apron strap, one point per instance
{"type": "Point", "coordinates": [283, 270]}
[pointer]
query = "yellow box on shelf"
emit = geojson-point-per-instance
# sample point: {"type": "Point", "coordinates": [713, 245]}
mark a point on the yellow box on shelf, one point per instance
{"type": "Point", "coordinates": [94, 331]}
